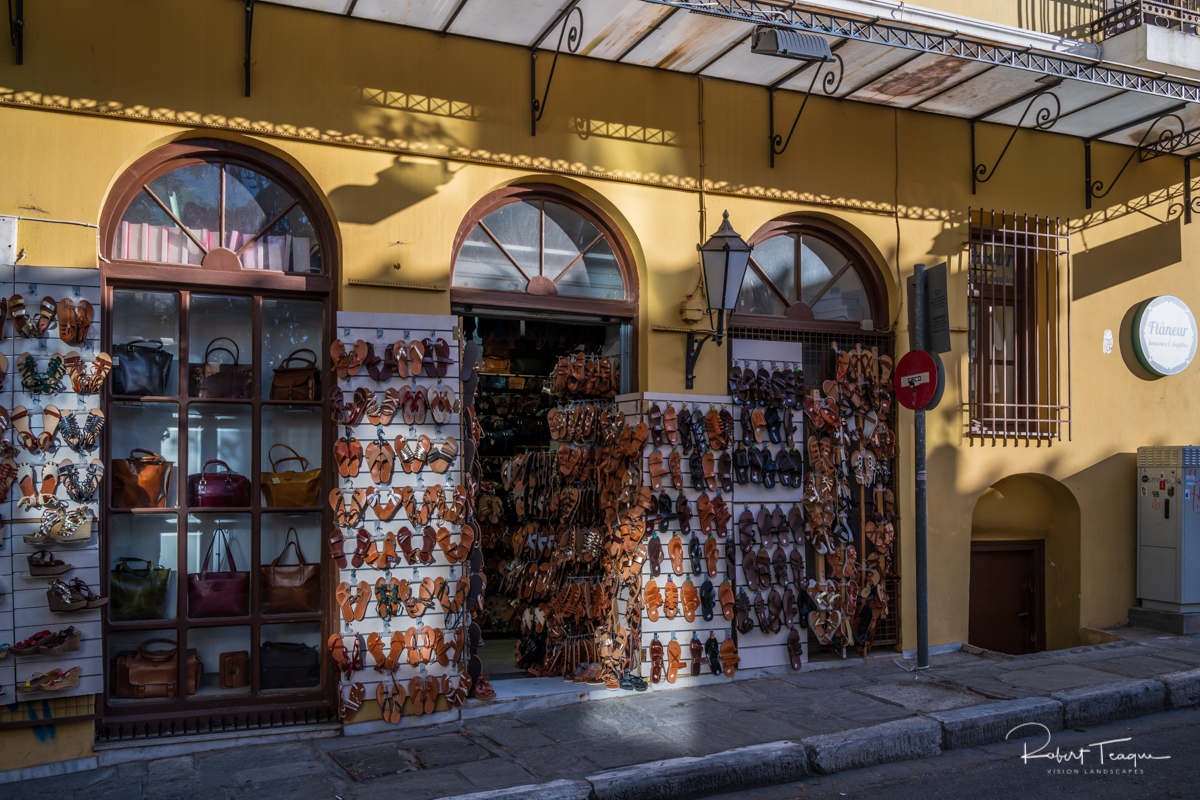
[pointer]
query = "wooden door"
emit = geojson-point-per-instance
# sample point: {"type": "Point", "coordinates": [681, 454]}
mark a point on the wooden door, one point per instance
{"type": "Point", "coordinates": [1007, 597]}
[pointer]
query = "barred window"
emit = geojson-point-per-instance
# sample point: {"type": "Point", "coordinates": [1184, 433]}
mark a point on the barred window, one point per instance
{"type": "Point", "coordinates": [1019, 326]}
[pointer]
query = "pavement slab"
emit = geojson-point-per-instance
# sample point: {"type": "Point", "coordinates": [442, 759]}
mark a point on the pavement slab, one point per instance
{"type": "Point", "coordinates": [1056, 677]}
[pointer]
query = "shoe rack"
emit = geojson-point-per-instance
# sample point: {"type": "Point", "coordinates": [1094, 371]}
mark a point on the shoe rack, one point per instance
{"type": "Point", "coordinates": [759, 648]}
{"type": "Point", "coordinates": [636, 409]}
{"type": "Point", "coordinates": [23, 605]}
{"type": "Point", "coordinates": [382, 330]}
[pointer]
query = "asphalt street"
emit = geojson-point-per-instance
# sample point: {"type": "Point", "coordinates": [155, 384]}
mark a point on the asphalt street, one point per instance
{"type": "Point", "coordinates": [998, 771]}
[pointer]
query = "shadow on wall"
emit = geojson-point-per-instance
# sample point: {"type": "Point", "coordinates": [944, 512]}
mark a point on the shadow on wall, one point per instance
{"type": "Point", "coordinates": [1036, 507]}
{"type": "Point", "coordinates": [1110, 578]}
{"type": "Point", "coordinates": [407, 182]}
{"type": "Point", "coordinates": [1069, 18]}
{"type": "Point", "coordinates": [1125, 334]}
{"type": "Point", "coordinates": [1108, 265]}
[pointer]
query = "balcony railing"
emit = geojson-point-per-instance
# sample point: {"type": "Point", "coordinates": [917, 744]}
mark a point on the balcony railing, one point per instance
{"type": "Point", "coordinates": [1124, 15]}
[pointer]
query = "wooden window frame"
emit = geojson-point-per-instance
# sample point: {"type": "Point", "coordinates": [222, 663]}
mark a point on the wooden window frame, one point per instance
{"type": "Point", "coordinates": [799, 316]}
{"type": "Point", "coordinates": [259, 285]}
{"type": "Point", "coordinates": [537, 295]}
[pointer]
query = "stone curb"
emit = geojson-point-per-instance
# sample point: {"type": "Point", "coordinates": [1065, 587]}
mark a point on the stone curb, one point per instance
{"type": "Point", "coordinates": [1096, 705]}
{"type": "Point", "coordinates": [1183, 688]}
{"type": "Point", "coordinates": [692, 777]}
{"type": "Point", "coordinates": [985, 724]}
{"type": "Point", "coordinates": [898, 740]}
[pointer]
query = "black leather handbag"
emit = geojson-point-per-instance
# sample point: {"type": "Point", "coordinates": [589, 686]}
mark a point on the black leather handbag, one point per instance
{"type": "Point", "coordinates": [288, 665]}
{"type": "Point", "coordinates": [141, 368]}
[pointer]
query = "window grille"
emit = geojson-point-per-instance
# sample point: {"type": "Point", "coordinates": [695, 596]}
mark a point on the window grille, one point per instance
{"type": "Point", "coordinates": [1019, 326]}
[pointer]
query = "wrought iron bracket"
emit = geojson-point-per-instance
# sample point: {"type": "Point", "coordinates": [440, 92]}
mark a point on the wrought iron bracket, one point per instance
{"type": "Point", "coordinates": [1164, 139]}
{"type": "Point", "coordinates": [16, 28]}
{"type": "Point", "coordinates": [573, 32]}
{"type": "Point", "coordinates": [829, 86]}
{"type": "Point", "coordinates": [249, 31]}
{"type": "Point", "coordinates": [1043, 120]}
{"type": "Point", "coordinates": [695, 343]}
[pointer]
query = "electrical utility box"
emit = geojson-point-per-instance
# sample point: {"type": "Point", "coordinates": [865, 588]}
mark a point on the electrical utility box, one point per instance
{"type": "Point", "coordinates": [1168, 503]}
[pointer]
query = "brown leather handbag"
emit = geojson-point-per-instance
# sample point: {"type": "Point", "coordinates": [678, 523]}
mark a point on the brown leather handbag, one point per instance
{"type": "Point", "coordinates": [142, 673]}
{"type": "Point", "coordinates": [141, 481]}
{"type": "Point", "coordinates": [297, 383]}
{"type": "Point", "coordinates": [234, 672]}
{"type": "Point", "coordinates": [291, 489]}
{"type": "Point", "coordinates": [218, 594]}
{"type": "Point", "coordinates": [290, 588]}
{"type": "Point", "coordinates": [218, 489]}
{"type": "Point", "coordinates": [214, 379]}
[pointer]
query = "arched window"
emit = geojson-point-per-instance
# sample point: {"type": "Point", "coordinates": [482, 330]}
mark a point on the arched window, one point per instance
{"type": "Point", "coordinates": [219, 206]}
{"type": "Point", "coordinates": [543, 241]}
{"type": "Point", "coordinates": [808, 271]}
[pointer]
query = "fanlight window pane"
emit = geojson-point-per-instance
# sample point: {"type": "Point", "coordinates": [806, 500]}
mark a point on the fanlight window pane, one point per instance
{"type": "Point", "coordinates": [147, 233]}
{"type": "Point", "coordinates": [819, 262]}
{"type": "Point", "coordinates": [289, 246]}
{"type": "Point", "coordinates": [567, 235]}
{"type": "Point", "coordinates": [596, 275]}
{"type": "Point", "coordinates": [845, 300]}
{"type": "Point", "coordinates": [251, 202]}
{"type": "Point", "coordinates": [518, 227]}
{"type": "Point", "coordinates": [193, 193]}
{"type": "Point", "coordinates": [756, 297]}
{"type": "Point", "coordinates": [481, 265]}
{"type": "Point", "coordinates": [777, 258]}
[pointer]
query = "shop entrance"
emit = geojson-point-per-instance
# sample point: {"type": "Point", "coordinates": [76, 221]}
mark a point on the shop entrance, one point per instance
{"type": "Point", "coordinates": [1007, 597]}
{"type": "Point", "coordinates": [537, 523]}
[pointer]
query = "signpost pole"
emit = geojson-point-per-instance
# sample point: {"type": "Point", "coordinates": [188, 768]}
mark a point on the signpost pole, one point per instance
{"type": "Point", "coordinates": [918, 341]}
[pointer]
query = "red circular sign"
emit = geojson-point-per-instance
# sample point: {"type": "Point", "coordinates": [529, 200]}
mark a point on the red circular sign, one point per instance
{"type": "Point", "coordinates": [915, 379]}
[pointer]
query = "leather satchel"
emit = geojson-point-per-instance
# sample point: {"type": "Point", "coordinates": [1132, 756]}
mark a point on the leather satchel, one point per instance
{"type": "Point", "coordinates": [290, 588]}
{"type": "Point", "coordinates": [234, 674]}
{"type": "Point", "coordinates": [218, 489]}
{"type": "Point", "coordinates": [141, 674]}
{"type": "Point", "coordinates": [137, 593]}
{"type": "Point", "coordinates": [141, 368]}
{"type": "Point", "coordinates": [214, 379]}
{"type": "Point", "coordinates": [288, 665]}
{"type": "Point", "coordinates": [141, 481]}
{"type": "Point", "coordinates": [218, 594]}
{"type": "Point", "coordinates": [297, 383]}
{"type": "Point", "coordinates": [291, 489]}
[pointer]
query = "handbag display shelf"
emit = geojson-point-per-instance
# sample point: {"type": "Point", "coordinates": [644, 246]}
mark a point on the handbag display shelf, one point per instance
{"type": "Point", "coordinates": [138, 592]}
{"type": "Point", "coordinates": [212, 489]}
{"type": "Point", "coordinates": [141, 368]}
{"type": "Point", "coordinates": [147, 673]}
{"type": "Point", "coordinates": [141, 481]}
{"type": "Point", "coordinates": [382, 330]}
{"type": "Point", "coordinates": [23, 610]}
{"type": "Point", "coordinates": [290, 588]}
{"type": "Point", "coordinates": [218, 594]}
{"type": "Point", "coordinates": [291, 382]}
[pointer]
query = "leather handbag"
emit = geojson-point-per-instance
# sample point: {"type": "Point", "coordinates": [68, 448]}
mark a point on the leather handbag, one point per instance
{"type": "Point", "coordinates": [234, 674]}
{"type": "Point", "coordinates": [137, 593]}
{"type": "Point", "coordinates": [288, 665]}
{"type": "Point", "coordinates": [218, 594]}
{"type": "Point", "coordinates": [141, 368]}
{"type": "Point", "coordinates": [214, 379]}
{"type": "Point", "coordinates": [290, 588]}
{"type": "Point", "coordinates": [141, 481]}
{"type": "Point", "coordinates": [141, 674]}
{"type": "Point", "coordinates": [219, 489]}
{"type": "Point", "coordinates": [297, 383]}
{"type": "Point", "coordinates": [291, 489]}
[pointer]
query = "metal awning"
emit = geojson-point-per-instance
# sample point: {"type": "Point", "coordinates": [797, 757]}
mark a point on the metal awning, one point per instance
{"type": "Point", "coordinates": [907, 59]}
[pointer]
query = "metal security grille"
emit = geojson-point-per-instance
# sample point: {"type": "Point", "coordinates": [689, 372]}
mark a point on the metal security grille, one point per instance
{"type": "Point", "coordinates": [1019, 324]}
{"type": "Point", "coordinates": [818, 368]}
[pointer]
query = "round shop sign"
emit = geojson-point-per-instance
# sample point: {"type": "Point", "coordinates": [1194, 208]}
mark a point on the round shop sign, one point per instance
{"type": "Point", "coordinates": [1164, 335]}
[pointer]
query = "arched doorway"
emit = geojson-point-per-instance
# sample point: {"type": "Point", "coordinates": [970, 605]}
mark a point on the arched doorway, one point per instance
{"type": "Point", "coordinates": [219, 263]}
{"type": "Point", "coordinates": [811, 295]}
{"type": "Point", "coordinates": [1025, 561]}
{"type": "Point", "coordinates": [545, 282]}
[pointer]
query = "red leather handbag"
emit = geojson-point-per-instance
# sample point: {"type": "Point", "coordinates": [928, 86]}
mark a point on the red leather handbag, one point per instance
{"type": "Point", "coordinates": [218, 489]}
{"type": "Point", "coordinates": [218, 594]}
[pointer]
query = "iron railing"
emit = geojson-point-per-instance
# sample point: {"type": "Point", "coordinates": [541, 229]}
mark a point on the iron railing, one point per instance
{"type": "Point", "coordinates": [1119, 16]}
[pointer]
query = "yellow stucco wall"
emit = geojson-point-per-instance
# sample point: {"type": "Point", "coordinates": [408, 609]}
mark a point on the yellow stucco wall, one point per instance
{"type": "Point", "coordinates": [402, 131]}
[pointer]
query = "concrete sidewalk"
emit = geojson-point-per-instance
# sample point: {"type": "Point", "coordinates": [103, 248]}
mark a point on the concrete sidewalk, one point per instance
{"type": "Point", "coordinates": [575, 741]}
